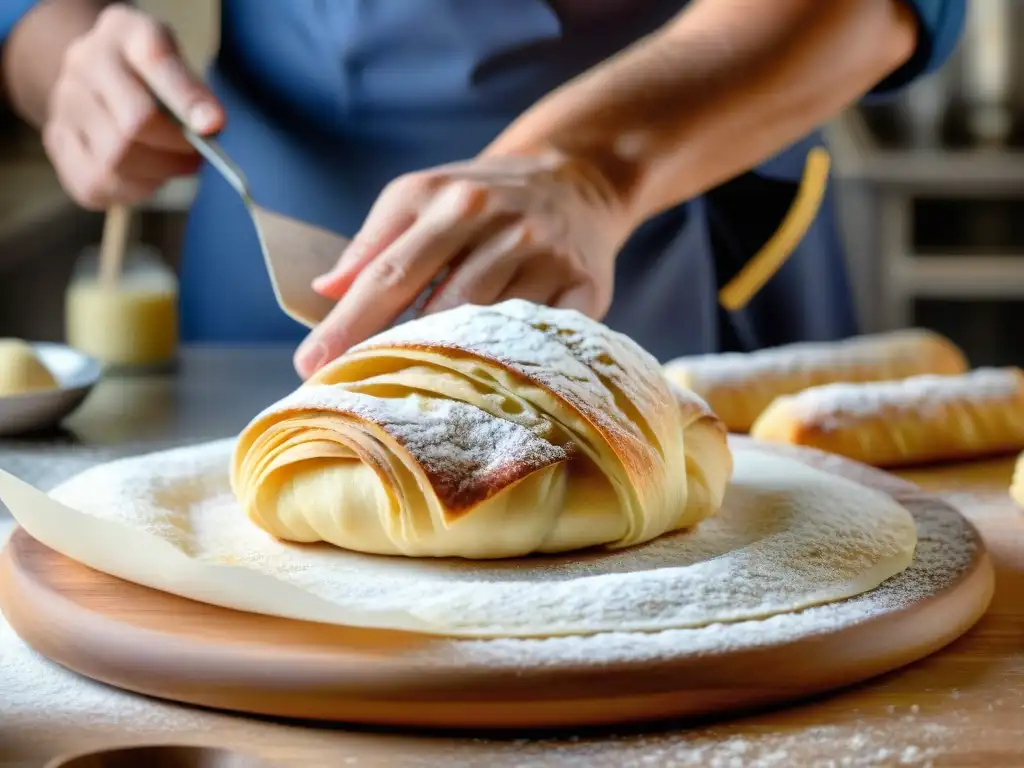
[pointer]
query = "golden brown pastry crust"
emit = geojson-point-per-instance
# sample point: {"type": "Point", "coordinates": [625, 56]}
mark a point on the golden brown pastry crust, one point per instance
{"type": "Point", "coordinates": [918, 420]}
{"type": "Point", "coordinates": [470, 405]}
{"type": "Point", "coordinates": [606, 407]}
{"type": "Point", "coordinates": [738, 387]}
{"type": "Point", "coordinates": [706, 437]}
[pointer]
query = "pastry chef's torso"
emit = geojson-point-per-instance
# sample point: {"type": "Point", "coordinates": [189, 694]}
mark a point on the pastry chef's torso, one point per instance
{"type": "Point", "coordinates": [329, 100]}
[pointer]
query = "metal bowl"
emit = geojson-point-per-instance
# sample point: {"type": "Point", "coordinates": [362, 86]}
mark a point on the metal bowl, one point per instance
{"type": "Point", "coordinates": [76, 375]}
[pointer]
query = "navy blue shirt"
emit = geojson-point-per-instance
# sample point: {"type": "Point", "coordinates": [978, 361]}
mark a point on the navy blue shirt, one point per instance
{"type": "Point", "coordinates": [329, 101]}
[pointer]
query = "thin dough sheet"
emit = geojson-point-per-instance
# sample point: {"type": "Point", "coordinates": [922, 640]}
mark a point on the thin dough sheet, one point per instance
{"type": "Point", "coordinates": [788, 537]}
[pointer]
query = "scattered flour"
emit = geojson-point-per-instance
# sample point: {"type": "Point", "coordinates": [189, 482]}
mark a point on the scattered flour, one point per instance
{"type": "Point", "coordinates": [46, 706]}
{"type": "Point", "coordinates": [45, 709]}
{"type": "Point", "coordinates": [787, 537]}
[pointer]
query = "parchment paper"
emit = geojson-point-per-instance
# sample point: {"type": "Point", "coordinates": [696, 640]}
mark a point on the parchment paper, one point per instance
{"type": "Point", "coordinates": [787, 538]}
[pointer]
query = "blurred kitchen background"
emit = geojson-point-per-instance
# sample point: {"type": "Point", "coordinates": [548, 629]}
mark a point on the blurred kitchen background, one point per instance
{"type": "Point", "coordinates": [931, 189]}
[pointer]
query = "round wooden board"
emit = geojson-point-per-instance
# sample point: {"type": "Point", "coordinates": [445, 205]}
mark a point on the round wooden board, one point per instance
{"type": "Point", "coordinates": [168, 647]}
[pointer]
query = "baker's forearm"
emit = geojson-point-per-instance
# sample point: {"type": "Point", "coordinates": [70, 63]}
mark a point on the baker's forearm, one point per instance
{"type": "Point", "coordinates": [34, 52]}
{"type": "Point", "coordinates": [724, 86]}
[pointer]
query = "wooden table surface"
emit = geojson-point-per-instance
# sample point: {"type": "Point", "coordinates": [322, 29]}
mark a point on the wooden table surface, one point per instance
{"type": "Point", "coordinates": [961, 707]}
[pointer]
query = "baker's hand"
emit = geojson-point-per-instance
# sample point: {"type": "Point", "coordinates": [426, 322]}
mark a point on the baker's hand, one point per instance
{"type": "Point", "coordinates": [104, 133]}
{"type": "Point", "coordinates": [542, 228]}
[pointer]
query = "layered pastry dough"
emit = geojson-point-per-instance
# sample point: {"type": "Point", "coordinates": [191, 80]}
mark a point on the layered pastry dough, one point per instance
{"type": "Point", "coordinates": [21, 370]}
{"type": "Point", "coordinates": [738, 386]}
{"type": "Point", "coordinates": [484, 433]}
{"type": "Point", "coordinates": [914, 421]}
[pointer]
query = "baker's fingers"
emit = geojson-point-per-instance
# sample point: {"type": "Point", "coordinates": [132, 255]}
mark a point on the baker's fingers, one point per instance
{"type": "Point", "coordinates": [376, 236]}
{"type": "Point", "coordinates": [134, 112]}
{"type": "Point", "coordinates": [114, 155]}
{"type": "Point", "coordinates": [585, 297]}
{"type": "Point", "coordinates": [535, 282]}
{"type": "Point", "coordinates": [101, 163]}
{"type": "Point", "coordinates": [151, 53]}
{"type": "Point", "coordinates": [85, 179]}
{"type": "Point", "coordinates": [392, 281]}
{"type": "Point", "coordinates": [486, 271]}
{"type": "Point", "coordinates": [88, 118]}
{"type": "Point", "coordinates": [147, 165]}
{"type": "Point", "coordinates": [395, 211]}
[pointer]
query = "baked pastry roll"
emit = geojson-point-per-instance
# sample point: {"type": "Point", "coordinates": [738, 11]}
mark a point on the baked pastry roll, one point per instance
{"type": "Point", "coordinates": [484, 432]}
{"type": "Point", "coordinates": [898, 423]}
{"type": "Point", "coordinates": [739, 386]}
{"type": "Point", "coordinates": [1017, 483]}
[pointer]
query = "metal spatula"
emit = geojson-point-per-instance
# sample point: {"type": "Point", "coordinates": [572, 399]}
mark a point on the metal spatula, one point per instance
{"type": "Point", "coordinates": [294, 251]}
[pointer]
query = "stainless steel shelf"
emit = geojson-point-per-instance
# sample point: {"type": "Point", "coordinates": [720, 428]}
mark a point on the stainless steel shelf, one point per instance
{"type": "Point", "coordinates": [878, 187]}
{"type": "Point", "coordinates": [995, 277]}
{"type": "Point", "coordinates": [858, 156]}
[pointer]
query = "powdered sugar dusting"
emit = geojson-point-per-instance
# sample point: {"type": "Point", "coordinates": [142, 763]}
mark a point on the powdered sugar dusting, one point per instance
{"type": "Point", "coordinates": [787, 537]}
{"type": "Point", "coordinates": [890, 354]}
{"type": "Point", "coordinates": [595, 389]}
{"type": "Point", "coordinates": [46, 710]}
{"type": "Point", "coordinates": [562, 349]}
{"type": "Point", "coordinates": [465, 452]}
{"type": "Point", "coordinates": [945, 550]}
{"type": "Point", "coordinates": [833, 405]}
{"type": "Point", "coordinates": [861, 744]}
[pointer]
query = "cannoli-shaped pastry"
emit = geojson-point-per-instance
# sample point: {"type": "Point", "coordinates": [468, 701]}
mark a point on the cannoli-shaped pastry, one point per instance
{"type": "Point", "coordinates": [739, 386]}
{"type": "Point", "coordinates": [900, 423]}
{"type": "Point", "coordinates": [484, 432]}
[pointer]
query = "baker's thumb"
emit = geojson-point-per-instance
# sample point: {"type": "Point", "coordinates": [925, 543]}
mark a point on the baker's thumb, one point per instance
{"type": "Point", "coordinates": [152, 53]}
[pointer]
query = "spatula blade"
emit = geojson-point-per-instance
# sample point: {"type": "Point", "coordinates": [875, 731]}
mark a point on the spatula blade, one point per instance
{"type": "Point", "coordinates": [295, 253]}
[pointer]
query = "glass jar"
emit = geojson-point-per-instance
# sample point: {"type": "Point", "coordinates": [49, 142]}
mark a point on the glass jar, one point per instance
{"type": "Point", "coordinates": [129, 325]}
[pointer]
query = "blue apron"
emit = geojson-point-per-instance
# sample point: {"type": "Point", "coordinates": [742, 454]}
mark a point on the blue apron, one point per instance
{"type": "Point", "coordinates": [329, 101]}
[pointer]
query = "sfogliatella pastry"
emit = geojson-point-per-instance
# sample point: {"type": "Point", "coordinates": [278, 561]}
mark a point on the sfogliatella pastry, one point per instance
{"type": "Point", "coordinates": [484, 432]}
{"type": "Point", "coordinates": [21, 370]}
{"type": "Point", "coordinates": [739, 386]}
{"type": "Point", "coordinates": [900, 423]}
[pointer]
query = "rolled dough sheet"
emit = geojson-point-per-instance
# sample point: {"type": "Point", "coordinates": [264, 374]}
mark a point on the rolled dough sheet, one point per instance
{"type": "Point", "coordinates": [788, 537]}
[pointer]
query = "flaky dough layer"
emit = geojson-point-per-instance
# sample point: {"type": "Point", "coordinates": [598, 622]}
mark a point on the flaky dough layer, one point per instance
{"type": "Point", "coordinates": [485, 432]}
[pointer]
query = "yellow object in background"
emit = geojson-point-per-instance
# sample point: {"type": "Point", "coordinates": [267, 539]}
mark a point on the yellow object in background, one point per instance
{"type": "Point", "coordinates": [132, 323]}
{"type": "Point", "coordinates": [766, 262]}
{"type": "Point", "coordinates": [21, 370]}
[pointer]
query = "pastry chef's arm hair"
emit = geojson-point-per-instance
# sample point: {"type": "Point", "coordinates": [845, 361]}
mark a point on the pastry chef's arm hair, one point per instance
{"type": "Point", "coordinates": [719, 89]}
{"type": "Point", "coordinates": [33, 52]}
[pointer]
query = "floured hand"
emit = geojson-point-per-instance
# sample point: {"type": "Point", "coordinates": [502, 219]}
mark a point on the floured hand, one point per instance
{"type": "Point", "coordinates": [544, 228]}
